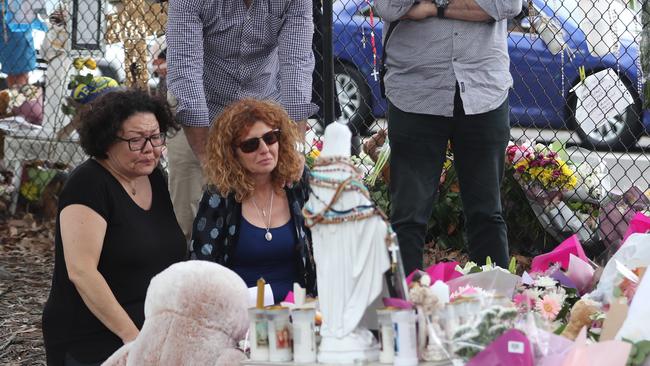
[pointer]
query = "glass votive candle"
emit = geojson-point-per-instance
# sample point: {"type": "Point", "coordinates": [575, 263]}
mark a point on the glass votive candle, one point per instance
{"type": "Point", "coordinates": [279, 334]}
{"type": "Point", "coordinates": [386, 335]}
{"type": "Point", "coordinates": [406, 353]}
{"type": "Point", "coordinates": [304, 335]}
{"type": "Point", "coordinates": [258, 334]}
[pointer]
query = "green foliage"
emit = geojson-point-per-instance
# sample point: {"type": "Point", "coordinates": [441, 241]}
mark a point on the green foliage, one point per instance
{"type": "Point", "coordinates": [639, 353]}
{"type": "Point", "coordinates": [380, 194]}
{"type": "Point", "coordinates": [512, 266]}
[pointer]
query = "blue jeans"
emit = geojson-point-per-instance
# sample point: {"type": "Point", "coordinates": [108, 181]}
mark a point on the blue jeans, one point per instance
{"type": "Point", "coordinates": [418, 144]}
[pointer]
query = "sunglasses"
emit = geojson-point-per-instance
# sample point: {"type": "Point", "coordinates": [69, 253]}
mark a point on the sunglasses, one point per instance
{"type": "Point", "coordinates": [252, 144]}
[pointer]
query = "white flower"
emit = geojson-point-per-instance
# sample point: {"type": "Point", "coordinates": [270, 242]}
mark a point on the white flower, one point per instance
{"type": "Point", "coordinates": [545, 281]}
{"type": "Point", "coordinates": [558, 297]}
{"type": "Point", "coordinates": [467, 268]}
{"type": "Point", "coordinates": [488, 267]}
{"type": "Point", "coordinates": [425, 280]}
{"type": "Point", "coordinates": [533, 293]}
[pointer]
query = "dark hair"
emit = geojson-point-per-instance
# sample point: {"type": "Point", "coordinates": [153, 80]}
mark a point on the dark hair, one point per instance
{"type": "Point", "coordinates": [101, 120]}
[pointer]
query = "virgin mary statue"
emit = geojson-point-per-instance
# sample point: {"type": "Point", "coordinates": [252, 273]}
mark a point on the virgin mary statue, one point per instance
{"type": "Point", "coordinates": [350, 250]}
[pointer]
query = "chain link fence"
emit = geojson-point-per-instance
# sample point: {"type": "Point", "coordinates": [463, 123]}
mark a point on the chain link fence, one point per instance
{"type": "Point", "coordinates": [579, 127]}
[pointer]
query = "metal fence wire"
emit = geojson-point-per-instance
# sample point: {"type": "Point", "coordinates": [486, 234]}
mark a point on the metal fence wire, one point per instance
{"type": "Point", "coordinates": [577, 163]}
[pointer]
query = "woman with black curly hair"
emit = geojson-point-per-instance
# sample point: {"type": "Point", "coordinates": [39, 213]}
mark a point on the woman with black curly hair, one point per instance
{"type": "Point", "coordinates": [115, 230]}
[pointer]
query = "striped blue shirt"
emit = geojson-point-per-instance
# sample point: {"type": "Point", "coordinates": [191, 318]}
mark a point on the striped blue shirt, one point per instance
{"type": "Point", "coordinates": [219, 51]}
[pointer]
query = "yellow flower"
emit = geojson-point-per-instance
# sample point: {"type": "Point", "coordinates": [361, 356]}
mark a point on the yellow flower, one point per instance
{"type": "Point", "coordinates": [314, 153]}
{"type": "Point", "coordinates": [78, 63]}
{"type": "Point", "coordinates": [91, 64]}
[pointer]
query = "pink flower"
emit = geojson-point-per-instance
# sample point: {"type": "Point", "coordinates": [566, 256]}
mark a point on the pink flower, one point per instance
{"type": "Point", "coordinates": [516, 153]}
{"type": "Point", "coordinates": [523, 301]}
{"type": "Point", "coordinates": [548, 306]}
{"type": "Point", "coordinates": [317, 144]}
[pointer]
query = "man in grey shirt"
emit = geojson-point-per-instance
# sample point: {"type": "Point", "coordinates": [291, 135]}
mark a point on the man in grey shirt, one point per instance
{"type": "Point", "coordinates": [222, 51]}
{"type": "Point", "coordinates": [447, 80]}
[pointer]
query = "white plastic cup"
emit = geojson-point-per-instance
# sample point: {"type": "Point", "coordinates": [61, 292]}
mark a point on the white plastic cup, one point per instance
{"type": "Point", "coordinates": [304, 336]}
{"type": "Point", "coordinates": [279, 335]}
{"type": "Point", "coordinates": [258, 334]}
{"type": "Point", "coordinates": [406, 348]}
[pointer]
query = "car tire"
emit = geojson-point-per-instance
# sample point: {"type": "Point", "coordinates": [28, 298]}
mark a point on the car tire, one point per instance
{"type": "Point", "coordinates": [354, 96]}
{"type": "Point", "coordinates": [618, 132]}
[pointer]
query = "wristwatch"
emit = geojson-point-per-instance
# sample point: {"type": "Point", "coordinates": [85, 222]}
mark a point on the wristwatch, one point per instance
{"type": "Point", "coordinates": [442, 6]}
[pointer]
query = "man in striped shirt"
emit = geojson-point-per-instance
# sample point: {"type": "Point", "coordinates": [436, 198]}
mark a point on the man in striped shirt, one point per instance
{"type": "Point", "coordinates": [223, 51]}
{"type": "Point", "coordinates": [447, 80]}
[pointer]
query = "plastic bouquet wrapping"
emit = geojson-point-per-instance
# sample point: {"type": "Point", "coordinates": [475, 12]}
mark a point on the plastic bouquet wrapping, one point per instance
{"type": "Point", "coordinates": [564, 198]}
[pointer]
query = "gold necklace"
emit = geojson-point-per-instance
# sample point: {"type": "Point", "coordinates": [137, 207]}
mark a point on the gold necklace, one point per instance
{"type": "Point", "coordinates": [261, 213]}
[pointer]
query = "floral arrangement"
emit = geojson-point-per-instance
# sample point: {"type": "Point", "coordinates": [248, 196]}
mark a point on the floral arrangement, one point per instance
{"type": "Point", "coordinates": [492, 322]}
{"type": "Point", "coordinates": [314, 153]}
{"type": "Point", "coordinates": [472, 267]}
{"type": "Point", "coordinates": [540, 165]}
{"type": "Point", "coordinates": [546, 297]}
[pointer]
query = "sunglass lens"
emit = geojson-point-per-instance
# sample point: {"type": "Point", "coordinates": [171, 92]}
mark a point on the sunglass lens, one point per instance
{"type": "Point", "coordinates": [250, 145]}
{"type": "Point", "coordinates": [270, 137]}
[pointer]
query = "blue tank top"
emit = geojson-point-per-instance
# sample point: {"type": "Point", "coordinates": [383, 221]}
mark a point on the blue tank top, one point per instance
{"type": "Point", "coordinates": [274, 260]}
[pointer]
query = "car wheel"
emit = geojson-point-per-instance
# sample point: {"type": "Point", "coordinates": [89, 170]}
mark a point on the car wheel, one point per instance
{"type": "Point", "coordinates": [354, 96]}
{"type": "Point", "coordinates": [605, 110]}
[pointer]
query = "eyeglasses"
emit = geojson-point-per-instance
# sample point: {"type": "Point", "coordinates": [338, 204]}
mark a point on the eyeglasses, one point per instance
{"type": "Point", "coordinates": [252, 144]}
{"type": "Point", "coordinates": [138, 143]}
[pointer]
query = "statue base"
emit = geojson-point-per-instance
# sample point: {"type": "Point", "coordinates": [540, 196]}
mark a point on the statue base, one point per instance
{"type": "Point", "coordinates": [358, 346]}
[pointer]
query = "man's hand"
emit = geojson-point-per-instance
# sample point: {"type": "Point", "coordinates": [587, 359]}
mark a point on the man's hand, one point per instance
{"type": "Point", "coordinates": [421, 11]}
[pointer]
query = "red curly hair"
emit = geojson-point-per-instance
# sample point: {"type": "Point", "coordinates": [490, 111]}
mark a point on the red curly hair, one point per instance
{"type": "Point", "coordinates": [224, 169]}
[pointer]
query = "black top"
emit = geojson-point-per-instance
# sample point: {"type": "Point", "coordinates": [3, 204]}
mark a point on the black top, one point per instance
{"type": "Point", "coordinates": [215, 232]}
{"type": "Point", "coordinates": [138, 245]}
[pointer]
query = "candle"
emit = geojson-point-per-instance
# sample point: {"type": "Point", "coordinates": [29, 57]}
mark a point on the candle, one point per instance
{"type": "Point", "coordinates": [298, 295]}
{"type": "Point", "coordinates": [405, 338]}
{"type": "Point", "coordinates": [258, 334]}
{"type": "Point", "coordinates": [260, 293]}
{"type": "Point", "coordinates": [386, 335]}
{"type": "Point", "coordinates": [279, 334]}
{"type": "Point", "coordinates": [304, 337]}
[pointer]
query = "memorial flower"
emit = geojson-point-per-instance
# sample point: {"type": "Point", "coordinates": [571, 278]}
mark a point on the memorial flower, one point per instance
{"type": "Point", "coordinates": [548, 307]}
{"type": "Point", "coordinates": [541, 166]}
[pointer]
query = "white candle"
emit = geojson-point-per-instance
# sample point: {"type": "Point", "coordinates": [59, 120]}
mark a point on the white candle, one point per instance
{"type": "Point", "coordinates": [304, 337]}
{"type": "Point", "coordinates": [279, 335]}
{"type": "Point", "coordinates": [386, 336]}
{"type": "Point", "coordinates": [258, 334]}
{"type": "Point", "coordinates": [406, 353]}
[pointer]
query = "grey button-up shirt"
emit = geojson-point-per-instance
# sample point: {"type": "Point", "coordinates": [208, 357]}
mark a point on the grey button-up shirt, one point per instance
{"type": "Point", "coordinates": [219, 51]}
{"type": "Point", "coordinates": [426, 58]}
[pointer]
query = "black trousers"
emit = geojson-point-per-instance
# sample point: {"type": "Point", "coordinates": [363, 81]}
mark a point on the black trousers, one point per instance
{"type": "Point", "coordinates": [418, 143]}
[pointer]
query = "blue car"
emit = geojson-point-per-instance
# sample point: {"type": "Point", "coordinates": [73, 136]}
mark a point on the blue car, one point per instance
{"type": "Point", "coordinates": [561, 80]}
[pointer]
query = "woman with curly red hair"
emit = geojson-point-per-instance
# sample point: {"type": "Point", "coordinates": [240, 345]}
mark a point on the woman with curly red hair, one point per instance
{"type": "Point", "coordinates": [249, 218]}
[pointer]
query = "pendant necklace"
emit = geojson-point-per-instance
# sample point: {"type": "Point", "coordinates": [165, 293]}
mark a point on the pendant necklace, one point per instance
{"type": "Point", "coordinates": [262, 214]}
